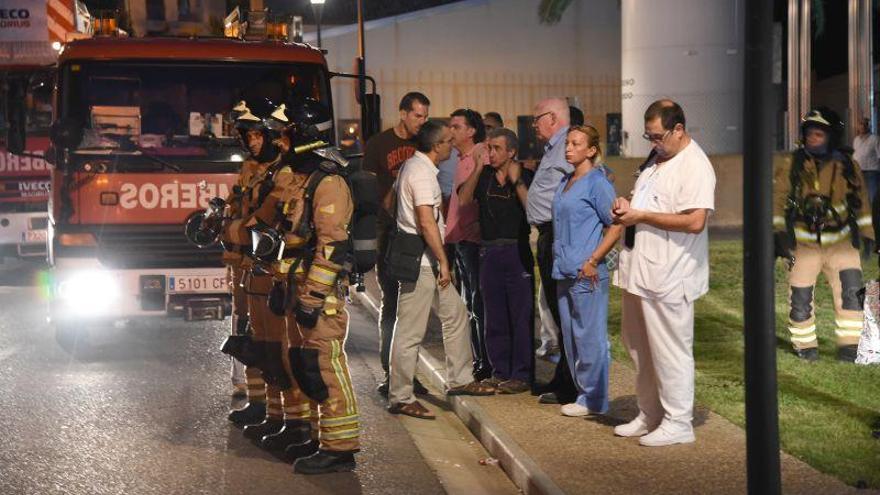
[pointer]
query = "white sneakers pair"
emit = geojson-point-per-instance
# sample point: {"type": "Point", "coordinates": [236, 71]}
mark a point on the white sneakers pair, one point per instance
{"type": "Point", "coordinates": [665, 434]}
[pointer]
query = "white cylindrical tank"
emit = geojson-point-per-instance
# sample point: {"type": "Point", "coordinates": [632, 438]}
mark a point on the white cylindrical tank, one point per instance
{"type": "Point", "coordinates": [690, 51]}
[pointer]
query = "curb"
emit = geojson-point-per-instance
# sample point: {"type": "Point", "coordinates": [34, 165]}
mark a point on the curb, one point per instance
{"type": "Point", "coordinates": [520, 468]}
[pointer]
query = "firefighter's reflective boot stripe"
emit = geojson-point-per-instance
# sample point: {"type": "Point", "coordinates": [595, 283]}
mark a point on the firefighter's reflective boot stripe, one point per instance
{"type": "Point", "coordinates": [841, 266]}
{"type": "Point", "coordinates": [325, 366]}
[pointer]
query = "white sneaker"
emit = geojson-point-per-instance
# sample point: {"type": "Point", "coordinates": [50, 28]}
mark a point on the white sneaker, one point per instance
{"type": "Point", "coordinates": [574, 410]}
{"type": "Point", "coordinates": [664, 436]}
{"type": "Point", "coordinates": [634, 428]}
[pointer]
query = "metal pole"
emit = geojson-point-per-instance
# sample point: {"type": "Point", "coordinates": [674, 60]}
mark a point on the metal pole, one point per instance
{"type": "Point", "coordinates": [794, 75]}
{"type": "Point", "coordinates": [362, 70]}
{"type": "Point", "coordinates": [867, 63]}
{"type": "Point", "coordinates": [854, 109]}
{"type": "Point", "coordinates": [806, 64]}
{"type": "Point", "coordinates": [762, 423]}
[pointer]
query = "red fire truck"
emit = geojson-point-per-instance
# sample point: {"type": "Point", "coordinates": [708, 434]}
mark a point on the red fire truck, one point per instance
{"type": "Point", "coordinates": [143, 140]}
{"type": "Point", "coordinates": [31, 33]}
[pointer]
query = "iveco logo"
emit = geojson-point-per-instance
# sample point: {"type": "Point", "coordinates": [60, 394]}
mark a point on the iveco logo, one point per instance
{"type": "Point", "coordinates": [151, 196]}
{"type": "Point", "coordinates": [15, 14]}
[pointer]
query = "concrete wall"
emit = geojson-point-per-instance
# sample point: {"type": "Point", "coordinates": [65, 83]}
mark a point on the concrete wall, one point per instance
{"type": "Point", "coordinates": [728, 189]}
{"type": "Point", "coordinates": [486, 55]}
{"type": "Point", "coordinates": [690, 51]}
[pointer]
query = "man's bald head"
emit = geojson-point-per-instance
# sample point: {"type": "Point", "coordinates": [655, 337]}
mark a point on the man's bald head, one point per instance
{"type": "Point", "coordinates": [551, 114]}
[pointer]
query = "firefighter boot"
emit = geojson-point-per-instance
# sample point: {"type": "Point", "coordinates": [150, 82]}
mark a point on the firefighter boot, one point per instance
{"type": "Point", "coordinates": [269, 426]}
{"type": "Point", "coordinates": [810, 354]}
{"type": "Point", "coordinates": [847, 353]}
{"type": "Point", "coordinates": [325, 461]}
{"type": "Point", "coordinates": [294, 431]}
{"type": "Point", "coordinates": [251, 413]}
{"type": "Point", "coordinates": [296, 451]}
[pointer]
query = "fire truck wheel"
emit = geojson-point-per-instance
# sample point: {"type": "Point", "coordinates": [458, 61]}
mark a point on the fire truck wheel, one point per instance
{"type": "Point", "coordinates": [71, 336]}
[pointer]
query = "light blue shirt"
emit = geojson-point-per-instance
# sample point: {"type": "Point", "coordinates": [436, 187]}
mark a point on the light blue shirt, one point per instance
{"type": "Point", "coordinates": [551, 170]}
{"type": "Point", "coordinates": [579, 217]}
{"type": "Point", "coordinates": [446, 174]}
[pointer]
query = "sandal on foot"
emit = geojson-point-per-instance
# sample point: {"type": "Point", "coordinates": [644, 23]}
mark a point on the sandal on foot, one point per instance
{"type": "Point", "coordinates": [472, 388]}
{"type": "Point", "coordinates": [413, 409]}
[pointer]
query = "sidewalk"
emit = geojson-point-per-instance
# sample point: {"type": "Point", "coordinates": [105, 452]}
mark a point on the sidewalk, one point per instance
{"type": "Point", "coordinates": [544, 452]}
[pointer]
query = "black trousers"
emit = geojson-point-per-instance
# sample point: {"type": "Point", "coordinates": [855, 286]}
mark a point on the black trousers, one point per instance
{"type": "Point", "coordinates": [562, 382]}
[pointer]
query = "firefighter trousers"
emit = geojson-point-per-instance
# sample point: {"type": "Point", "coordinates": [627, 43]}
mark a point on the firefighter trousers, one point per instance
{"type": "Point", "coordinates": [284, 400]}
{"type": "Point", "coordinates": [842, 268]}
{"type": "Point", "coordinates": [240, 375]}
{"type": "Point", "coordinates": [319, 365]}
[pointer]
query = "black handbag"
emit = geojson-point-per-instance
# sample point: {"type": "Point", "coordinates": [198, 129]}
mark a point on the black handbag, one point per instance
{"type": "Point", "coordinates": [403, 260]}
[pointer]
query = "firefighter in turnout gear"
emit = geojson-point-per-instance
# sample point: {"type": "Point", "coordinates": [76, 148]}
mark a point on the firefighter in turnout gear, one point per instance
{"type": "Point", "coordinates": [263, 177]}
{"type": "Point", "coordinates": [244, 381]}
{"type": "Point", "coordinates": [234, 248]}
{"type": "Point", "coordinates": [822, 216]}
{"type": "Point", "coordinates": [317, 213]}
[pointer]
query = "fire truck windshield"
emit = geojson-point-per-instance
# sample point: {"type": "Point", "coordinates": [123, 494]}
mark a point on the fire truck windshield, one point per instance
{"type": "Point", "coordinates": [181, 111]}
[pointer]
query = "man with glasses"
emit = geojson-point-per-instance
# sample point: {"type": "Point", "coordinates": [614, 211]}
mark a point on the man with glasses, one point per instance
{"type": "Point", "coordinates": [550, 121]}
{"type": "Point", "coordinates": [418, 213]}
{"type": "Point", "coordinates": [662, 272]}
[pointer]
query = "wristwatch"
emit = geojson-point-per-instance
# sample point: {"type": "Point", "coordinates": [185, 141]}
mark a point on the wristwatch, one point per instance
{"type": "Point", "coordinates": [592, 262]}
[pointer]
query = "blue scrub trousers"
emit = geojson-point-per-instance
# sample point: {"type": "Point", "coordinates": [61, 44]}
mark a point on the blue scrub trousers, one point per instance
{"type": "Point", "coordinates": [583, 311]}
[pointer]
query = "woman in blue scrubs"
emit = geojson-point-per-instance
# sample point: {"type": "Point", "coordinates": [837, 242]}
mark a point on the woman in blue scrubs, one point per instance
{"type": "Point", "coordinates": [583, 235]}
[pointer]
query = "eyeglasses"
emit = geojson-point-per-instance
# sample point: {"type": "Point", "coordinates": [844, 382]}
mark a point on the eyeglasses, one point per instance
{"type": "Point", "coordinates": [536, 118]}
{"type": "Point", "coordinates": [655, 138]}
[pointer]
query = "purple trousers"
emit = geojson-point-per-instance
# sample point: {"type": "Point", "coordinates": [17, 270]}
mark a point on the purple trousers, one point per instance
{"type": "Point", "coordinates": [508, 287]}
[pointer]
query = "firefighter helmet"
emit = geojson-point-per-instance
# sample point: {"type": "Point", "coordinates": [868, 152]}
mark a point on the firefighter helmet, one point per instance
{"type": "Point", "coordinates": [308, 122]}
{"type": "Point", "coordinates": [826, 119]}
{"type": "Point", "coordinates": [253, 115]}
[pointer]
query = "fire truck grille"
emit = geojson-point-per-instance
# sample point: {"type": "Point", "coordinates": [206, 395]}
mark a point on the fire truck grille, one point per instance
{"type": "Point", "coordinates": [153, 247]}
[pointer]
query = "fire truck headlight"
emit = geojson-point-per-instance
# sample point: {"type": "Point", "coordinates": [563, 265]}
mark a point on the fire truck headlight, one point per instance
{"type": "Point", "coordinates": [89, 292]}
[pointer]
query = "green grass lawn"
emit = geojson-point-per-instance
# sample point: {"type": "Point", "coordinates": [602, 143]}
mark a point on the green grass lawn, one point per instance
{"type": "Point", "coordinates": [826, 409]}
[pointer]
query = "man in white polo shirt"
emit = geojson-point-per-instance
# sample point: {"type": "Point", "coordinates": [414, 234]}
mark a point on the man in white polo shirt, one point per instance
{"type": "Point", "coordinates": [663, 270]}
{"type": "Point", "coordinates": [418, 212]}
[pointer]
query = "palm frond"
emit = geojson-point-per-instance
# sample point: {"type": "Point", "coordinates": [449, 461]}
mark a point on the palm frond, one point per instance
{"type": "Point", "coordinates": [550, 11]}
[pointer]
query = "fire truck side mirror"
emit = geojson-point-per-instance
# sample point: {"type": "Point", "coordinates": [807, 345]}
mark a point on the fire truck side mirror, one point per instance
{"type": "Point", "coordinates": [16, 116]}
{"type": "Point", "coordinates": [372, 112]}
{"type": "Point", "coordinates": [66, 134]}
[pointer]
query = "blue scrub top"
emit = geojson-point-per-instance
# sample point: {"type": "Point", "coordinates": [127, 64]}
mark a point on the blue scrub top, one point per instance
{"type": "Point", "coordinates": [579, 217]}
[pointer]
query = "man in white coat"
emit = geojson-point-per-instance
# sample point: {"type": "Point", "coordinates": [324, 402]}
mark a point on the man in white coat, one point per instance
{"type": "Point", "coordinates": [663, 269]}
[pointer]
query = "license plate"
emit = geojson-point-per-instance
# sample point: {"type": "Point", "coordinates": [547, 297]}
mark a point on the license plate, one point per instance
{"type": "Point", "coordinates": [33, 236]}
{"type": "Point", "coordinates": [196, 284]}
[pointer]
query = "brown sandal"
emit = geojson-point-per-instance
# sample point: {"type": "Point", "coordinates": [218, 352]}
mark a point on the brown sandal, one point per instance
{"type": "Point", "coordinates": [413, 409]}
{"type": "Point", "coordinates": [472, 388]}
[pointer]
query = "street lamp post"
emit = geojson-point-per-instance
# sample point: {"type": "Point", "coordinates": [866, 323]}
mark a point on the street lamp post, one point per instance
{"type": "Point", "coordinates": [317, 8]}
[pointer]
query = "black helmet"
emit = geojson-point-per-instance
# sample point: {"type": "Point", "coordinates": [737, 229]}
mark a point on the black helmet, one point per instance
{"type": "Point", "coordinates": [826, 119]}
{"type": "Point", "coordinates": [308, 122]}
{"type": "Point", "coordinates": [253, 115]}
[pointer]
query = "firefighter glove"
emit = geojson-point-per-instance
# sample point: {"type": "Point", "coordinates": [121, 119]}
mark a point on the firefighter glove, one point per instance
{"type": "Point", "coordinates": [276, 299]}
{"type": "Point", "coordinates": [307, 316]}
{"type": "Point", "coordinates": [783, 247]}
